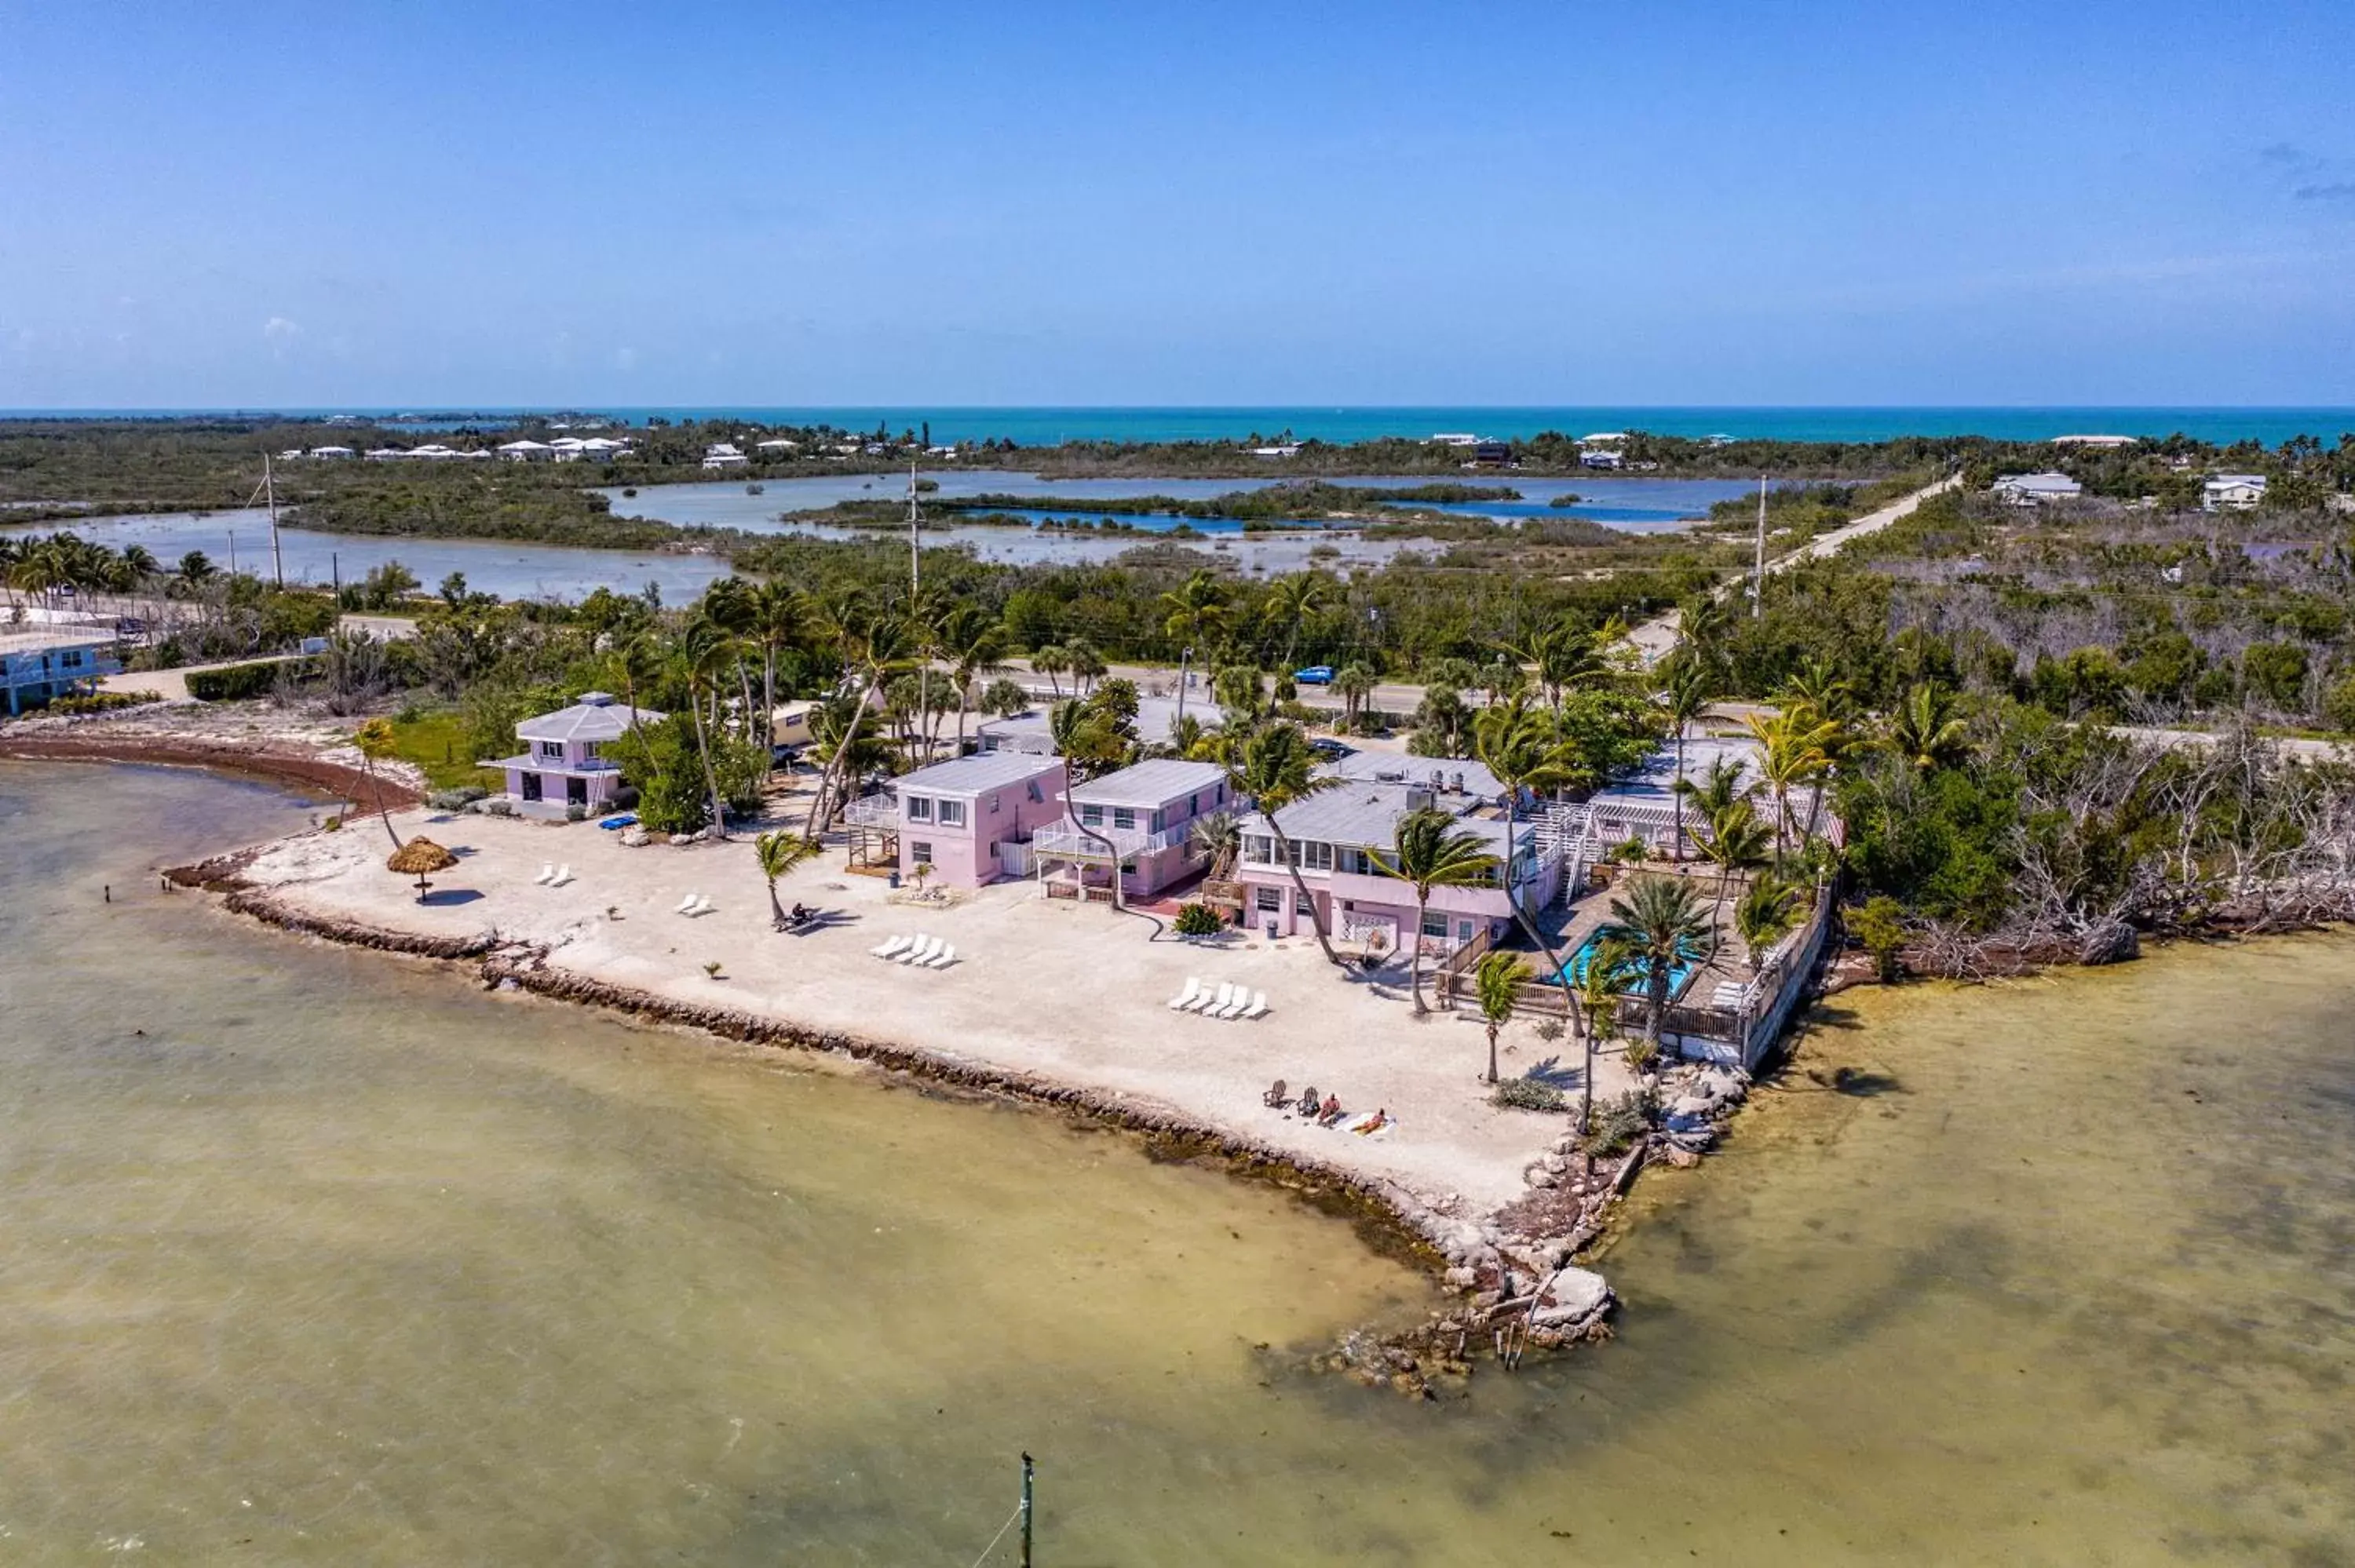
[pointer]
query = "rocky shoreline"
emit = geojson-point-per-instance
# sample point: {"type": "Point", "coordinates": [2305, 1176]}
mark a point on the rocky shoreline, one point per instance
{"type": "Point", "coordinates": [1518, 1284]}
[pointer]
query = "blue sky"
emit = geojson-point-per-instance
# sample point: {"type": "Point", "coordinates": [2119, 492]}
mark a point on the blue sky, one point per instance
{"type": "Point", "coordinates": [1686, 203]}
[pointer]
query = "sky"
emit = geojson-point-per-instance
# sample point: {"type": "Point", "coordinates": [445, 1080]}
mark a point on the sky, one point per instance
{"type": "Point", "coordinates": [1686, 201]}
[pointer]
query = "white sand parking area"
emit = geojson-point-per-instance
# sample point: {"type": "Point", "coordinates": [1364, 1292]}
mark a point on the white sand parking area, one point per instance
{"type": "Point", "coordinates": [1078, 995]}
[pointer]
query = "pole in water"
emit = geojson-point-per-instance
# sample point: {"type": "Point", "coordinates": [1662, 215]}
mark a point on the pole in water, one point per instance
{"type": "Point", "coordinates": [1026, 1511]}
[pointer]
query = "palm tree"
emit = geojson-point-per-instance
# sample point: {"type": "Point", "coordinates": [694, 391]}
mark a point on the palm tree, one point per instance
{"type": "Point", "coordinates": [1561, 656]}
{"type": "Point", "coordinates": [1519, 745]}
{"type": "Point", "coordinates": [1737, 842]}
{"type": "Point", "coordinates": [376, 741]}
{"type": "Point", "coordinates": [1428, 851]}
{"type": "Point", "coordinates": [974, 642]}
{"type": "Point", "coordinates": [1600, 984]}
{"type": "Point", "coordinates": [872, 649]}
{"type": "Point", "coordinates": [1051, 661]}
{"type": "Point", "coordinates": [774, 620]}
{"type": "Point", "coordinates": [1660, 922]}
{"type": "Point", "coordinates": [1686, 695]}
{"type": "Point", "coordinates": [1498, 979]}
{"type": "Point", "coordinates": [1084, 737]}
{"type": "Point", "coordinates": [1926, 731]}
{"type": "Point", "coordinates": [703, 658]}
{"type": "Point", "coordinates": [1766, 912]}
{"type": "Point", "coordinates": [1277, 770]}
{"type": "Point", "coordinates": [1354, 684]}
{"type": "Point", "coordinates": [1193, 610]}
{"type": "Point", "coordinates": [1294, 601]}
{"type": "Point", "coordinates": [780, 853]}
{"type": "Point", "coordinates": [1087, 666]}
{"type": "Point", "coordinates": [196, 569]}
{"type": "Point", "coordinates": [1791, 744]}
{"type": "Point", "coordinates": [1220, 835]}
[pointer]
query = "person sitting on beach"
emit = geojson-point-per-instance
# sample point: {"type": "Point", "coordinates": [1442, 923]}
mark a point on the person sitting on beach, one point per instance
{"type": "Point", "coordinates": [1332, 1112]}
{"type": "Point", "coordinates": [1309, 1104]}
{"type": "Point", "coordinates": [800, 913]}
{"type": "Point", "coordinates": [1374, 1123]}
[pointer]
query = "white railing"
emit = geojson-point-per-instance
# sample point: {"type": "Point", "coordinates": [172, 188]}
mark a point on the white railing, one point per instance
{"type": "Point", "coordinates": [880, 809]}
{"type": "Point", "coordinates": [1069, 841]}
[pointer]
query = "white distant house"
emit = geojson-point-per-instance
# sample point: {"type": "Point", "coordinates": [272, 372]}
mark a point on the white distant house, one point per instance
{"type": "Point", "coordinates": [568, 449]}
{"type": "Point", "coordinates": [603, 449]}
{"type": "Point", "coordinates": [331, 451]}
{"type": "Point", "coordinates": [292, 454]}
{"type": "Point", "coordinates": [1289, 448]}
{"type": "Point", "coordinates": [434, 451]}
{"type": "Point", "coordinates": [1455, 439]}
{"type": "Point", "coordinates": [723, 455]}
{"type": "Point", "coordinates": [777, 446]}
{"type": "Point", "coordinates": [1601, 457]}
{"type": "Point", "coordinates": [385, 454]}
{"type": "Point", "coordinates": [2231, 491]}
{"type": "Point", "coordinates": [2035, 489]}
{"type": "Point", "coordinates": [526, 452]}
{"type": "Point", "coordinates": [2093, 440]}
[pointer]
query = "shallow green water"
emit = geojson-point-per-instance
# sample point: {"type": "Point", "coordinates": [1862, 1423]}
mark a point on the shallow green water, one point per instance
{"type": "Point", "coordinates": [342, 1261]}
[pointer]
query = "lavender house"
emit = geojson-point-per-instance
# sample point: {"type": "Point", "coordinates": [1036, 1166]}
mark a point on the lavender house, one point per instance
{"type": "Point", "coordinates": [1141, 817]}
{"type": "Point", "coordinates": [563, 764]}
{"type": "Point", "coordinates": [971, 819]}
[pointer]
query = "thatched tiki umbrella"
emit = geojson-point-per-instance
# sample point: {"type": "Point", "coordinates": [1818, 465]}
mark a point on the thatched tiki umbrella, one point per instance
{"type": "Point", "coordinates": [419, 858]}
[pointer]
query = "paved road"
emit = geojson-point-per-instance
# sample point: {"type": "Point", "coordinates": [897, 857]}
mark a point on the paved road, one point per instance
{"type": "Point", "coordinates": [172, 685]}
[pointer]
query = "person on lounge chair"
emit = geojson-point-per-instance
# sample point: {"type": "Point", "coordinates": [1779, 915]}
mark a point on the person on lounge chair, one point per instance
{"type": "Point", "coordinates": [800, 913]}
{"type": "Point", "coordinates": [1276, 1098]}
{"type": "Point", "coordinates": [1309, 1104]}
{"type": "Point", "coordinates": [1331, 1115]}
{"type": "Point", "coordinates": [1380, 1119]}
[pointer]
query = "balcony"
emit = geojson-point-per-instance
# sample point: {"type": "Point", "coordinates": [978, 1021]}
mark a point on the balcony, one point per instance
{"type": "Point", "coordinates": [527, 763]}
{"type": "Point", "coordinates": [880, 809]}
{"type": "Point", "coordinates": [1065, 840]}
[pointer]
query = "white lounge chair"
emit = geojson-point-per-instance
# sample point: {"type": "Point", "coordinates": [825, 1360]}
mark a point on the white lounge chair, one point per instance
{"type": "Point", "coordinates": [546, 873]}
{"type": "Point", "coordinates": [686, 903]}
{"type": "Point", "coordinates": [1209, 999]}
{"type": "Point", "coordinates": [702, 905]}
{"type": "Point", "coordinates": [1258, 1009]}
{"type": "Point", "coordinates": [1235, 1008]}
{"type": "Point", "coordinates": [892, 947]}
{"type": "Point", "coordinates": [943, 958]}
{"type": "Point", "coordinates": [1226, 993]}
{"type": "Point", "coordinates": [563, 874]}
{"type": "Point", "coordinates": [1188, 997]}
{"type": "Point", "coordinates": [922, 952]}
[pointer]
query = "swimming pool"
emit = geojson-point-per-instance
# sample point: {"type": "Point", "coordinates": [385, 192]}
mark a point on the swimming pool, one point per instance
{"type": "Point", "coordinates": [1688, 959]}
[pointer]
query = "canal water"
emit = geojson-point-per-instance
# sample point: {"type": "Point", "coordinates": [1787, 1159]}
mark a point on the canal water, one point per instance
{"type": "Point", "coordinates": [311, 1256]}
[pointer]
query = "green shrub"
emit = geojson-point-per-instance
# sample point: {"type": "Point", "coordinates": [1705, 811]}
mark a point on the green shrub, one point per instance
{"type": "Point", "coordinates": [1529, 1094]}
{"type": "Point", "coordinates": [1619, 1123]}
{"type": "Point", "coordinates": [2339, 705]}
{"type": "Point", "coordinates": [456, 799]}
{"type": "Point", "coordinates": [1880, 925]}
{"type": "Point", "coordinates": [103, 701]}
{"type": "Point", "coordinates": [1199, 920]}
{"type": "Point", "coordinates": [232, 682]}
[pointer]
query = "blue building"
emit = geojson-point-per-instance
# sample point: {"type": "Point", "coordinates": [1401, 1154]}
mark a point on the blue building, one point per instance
{"type": "Point", "coordinates": [40, 662]}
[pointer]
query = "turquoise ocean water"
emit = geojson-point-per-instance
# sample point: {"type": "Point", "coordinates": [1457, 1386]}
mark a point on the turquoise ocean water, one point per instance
{"type": "Point", "coordinates": [1041, 426]}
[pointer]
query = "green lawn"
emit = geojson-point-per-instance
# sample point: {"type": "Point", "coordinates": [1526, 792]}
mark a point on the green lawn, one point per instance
{"type": "Point", "coordinates": [436, 742]}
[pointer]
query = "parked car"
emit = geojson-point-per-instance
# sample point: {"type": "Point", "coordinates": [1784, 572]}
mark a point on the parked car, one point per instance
{"type": "Point", "coordinates": [1315, 675]}
{"type": "Point", "coordinates": [1331, 750]}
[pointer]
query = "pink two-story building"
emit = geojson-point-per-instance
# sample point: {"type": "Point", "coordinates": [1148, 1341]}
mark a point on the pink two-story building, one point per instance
{"type": "Point", "coordinates": [1330, 835]}
{"type": "Point", "coordinates": [971, 819]}
{"type": "Point", "coordinates": [563, 767]}
{"type": "Point", "coordinates": [1141, 817]}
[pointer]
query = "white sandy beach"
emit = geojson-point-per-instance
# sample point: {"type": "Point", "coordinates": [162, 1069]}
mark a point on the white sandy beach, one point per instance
{"type": "Point", "coordinates": [1076, 995]}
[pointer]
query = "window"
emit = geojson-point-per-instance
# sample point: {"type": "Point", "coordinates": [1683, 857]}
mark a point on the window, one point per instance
{"type": "Point", "coordinates": [1124, 816]}
{"type": "Point", "coordinates": [1315, 856]}
{"type": "Point", "coordinates": [1354, 862]}
{"type": "Point", "coordinates": [1304, 906]}
{"type": "Point", "coordinates": [1464, 930]}
{"type": "Point", "coordinates": [916, 808]}
{"type": "Point", "coordinates": [922, 854]}
{"type": "Point", "coordinates": [1194, 804]}
{"type": "Point", "coordinates": [996, 801]}
{"type": "Point", "coordinates": [1156, 822]}
{"type": "Point", "coordinates": [1268, 900]}
{"type": "Point", "coordinates": [552, 749]}
{"type": "Point", "coordinates": [1435, 923]}
{"type": "Point", "coordinates": [950, 813]}
{"type": "Point", "coordinates": [1259, 849]}
{"type": "Point", "coordinates": [593, 750]}
{"type": "Point", "coordinates": [1093, 816]}
{"type": "Point", "coordinates": [72, 659]}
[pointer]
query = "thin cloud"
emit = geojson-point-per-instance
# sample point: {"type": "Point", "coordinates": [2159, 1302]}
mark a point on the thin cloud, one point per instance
{"type": "Point", "coordinates": [279, 330]}
{"type": "Point", "coordinates": [2337, 190]}
{"type": "Point", "coordinates": [2289, 155]}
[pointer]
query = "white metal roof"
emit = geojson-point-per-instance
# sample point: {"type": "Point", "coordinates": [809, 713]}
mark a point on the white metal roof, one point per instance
{"type": "Point", "coordinates": [972, 775]}
{"type": "Point", "coordinates": [1149, 783]}
{"type": "Point", "coordinates": [596, 716]}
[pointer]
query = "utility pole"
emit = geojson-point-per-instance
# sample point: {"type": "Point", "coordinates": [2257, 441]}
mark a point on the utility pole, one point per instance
{"type": "Point", "coordinates": [1758, 573]}
{"type": "Point", "coordinates": [914, 557]}
{"type": "Point", "coordinates": [270, 489]}
{"type": "Point", "coordinates": [923, 651]}
{"type": "Point", "coordinates": [1184, 662]}
{"type": "Point", "coordinates": [1026, 1471]}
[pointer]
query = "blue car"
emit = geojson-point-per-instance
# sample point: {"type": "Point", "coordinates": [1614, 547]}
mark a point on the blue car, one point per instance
{"type": "Point", "coordinates": [1315, 675]}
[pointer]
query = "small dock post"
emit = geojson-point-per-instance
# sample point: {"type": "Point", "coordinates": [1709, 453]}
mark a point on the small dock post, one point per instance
{"type": "Point", "coordinates": [1026, 1511]}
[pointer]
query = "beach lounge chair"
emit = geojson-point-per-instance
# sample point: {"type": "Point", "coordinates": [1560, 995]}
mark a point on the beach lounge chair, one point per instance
{"type": "Point", "coordinates": [546, 873]}
{"type": "Point", "coordinates": [1218, 1003]}
{"type": "Point", "coordinates": [943, 958]}
{"type": "Point", "coordinates": [1235, 1005]}
{"type": "Point", "coordinates": [1188, 997]}
{"type": "Point", "coordinates": [563, 875]}
{"type": "Point", "coordinates": [1258, 1008]}
{"type": "Point", "coordinates": [702, 905]}
{"type": "Point", "coordinates": [1202, 1000]}
{"type": "Point", "coordinates": [892, 947]}
{"type": "Point", "coordinates": [921, 953]}
{"type": "Point", "coordinates": [686, 903]}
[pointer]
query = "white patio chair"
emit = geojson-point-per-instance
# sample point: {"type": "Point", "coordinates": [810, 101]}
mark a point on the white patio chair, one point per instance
{"type": "Point", "coordinates": [943, 958]}
{"type": "Point", "coordinates": [1235, 1008]}
{"type": "Point", "coordinates": [1226, 993]}
{"type": "Point", "coordinates": [1258, 1009]}
{"type": "Point", "coordinates": [702, 905]}
{"type": "Point", "coordinates": [686, 903]}
{"type": "Point", "coordinates": [922, 952]}
{"type": "Point", "coordinates": [892, 947]}
{"type": "Point", "coordinates": [563, 874]}
{"type": "Point", "coordinates": [1188, 997]}
{"type": "Point", "coordinates": [546, 873]}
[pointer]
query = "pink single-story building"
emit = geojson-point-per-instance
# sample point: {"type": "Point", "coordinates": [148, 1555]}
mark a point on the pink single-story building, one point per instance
{"type": "Point", "coordinates": [1330, 835]}
{"type": "Point", "coordinates": [563, 765]}
{"type": "Point", "coordinates": [1143, 817]}
{"type": "Point", "coordinates": [970, 818]}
